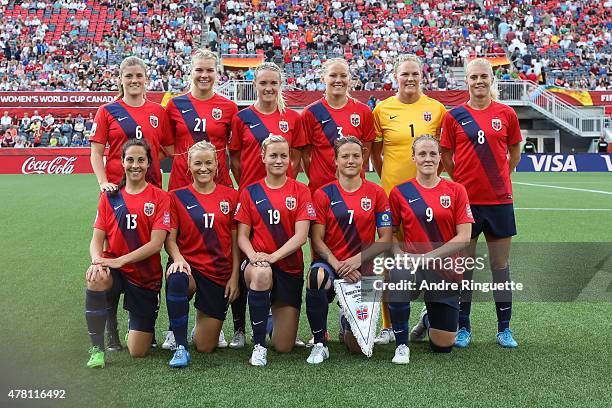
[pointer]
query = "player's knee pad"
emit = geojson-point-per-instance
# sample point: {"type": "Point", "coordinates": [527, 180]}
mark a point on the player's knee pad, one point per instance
{"type": "Point", "coordinates": [313, 278]}
{"type": "Point", "coordinates": [439, 349]}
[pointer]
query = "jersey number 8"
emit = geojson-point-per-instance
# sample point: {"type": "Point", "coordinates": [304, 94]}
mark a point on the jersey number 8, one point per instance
{"type": "Point", "coordinates": [481, 137]}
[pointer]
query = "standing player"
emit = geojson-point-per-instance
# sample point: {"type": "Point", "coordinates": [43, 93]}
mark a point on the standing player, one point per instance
{"type": "Point", "coordinates": [397, 121]}
{"type": "Point", "coordinates": [251, 126]}
{"type": "Point", "coordinates": [200, 115]}
{"type": "Point", "coordinates": [134, 219]}
{"type": "Point", "coordinates": [129, 117]}
{"type": "Point", "coordinates": [431, 217]}
{"type": "Point", "coordinates": [274, 217]}
{"type": "Point", "coordinates": [481, 147]}
{"type": "Point", "coordinates": [202, 244]}
{"type": "Point", "coordinates": [349, 211]}
{"type": "Point", "coordinates": [333, 116]}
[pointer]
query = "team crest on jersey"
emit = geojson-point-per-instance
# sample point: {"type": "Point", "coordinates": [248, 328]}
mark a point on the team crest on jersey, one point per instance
{"type": "Point", "coordinates": [366, 204]}
{"type": "Point", "coordinates": [224, 206]}
{"type": "Point", "coordinates": [217, 113]}
{"type": "Point", "coordinates": [361, 312]}
{"type": "Point", "coordinates": [153, 121]}
{"type": "Point", "coordinates": [149, 209]}
{"type": "Point", "coordinates": [291, 203]}
{"type": "Point", "coordinates": [283, 125]}
{"type": "Point", "coordinates": [445, 201]}
{"type": "Point", "coordinates": [496, 124]}
{"type": "Point", "coordinates": [427, 116]}
{"type": "Point", "coordinates": [355, 119]}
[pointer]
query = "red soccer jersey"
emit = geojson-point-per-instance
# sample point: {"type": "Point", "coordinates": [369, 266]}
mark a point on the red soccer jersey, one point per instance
{"type": "Point", "coordinates": [204, 224]}
{"type": "Point", "coordinates": [323, 125]}
{"type": "Point", "coordinates": [272, 214]}
{"type": "Point", "coordinates": [351, 219]}
{"type": "Point", "coordinates": [116, 122]}
{"type": "Point", "coordinates": [480, 140]}
{"type": "Point", "coordinates": [194, 120]}
{"type": "Point", "coordinates": [251, 127]}
{"type": "Point", "coordinates": [128, 221]}
{"type": "Point", "coordinates": [429, 216]}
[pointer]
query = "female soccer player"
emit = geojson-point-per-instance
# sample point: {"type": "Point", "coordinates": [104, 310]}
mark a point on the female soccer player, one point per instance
{"type": "Point", "coordinates": [200, 115]}
{"type": "Point", "coordinates": [397, 121]}
{"type": "Point", "coordinates": [431, 216]}
{"type": "Point", "coordinates": [135, 220]}
{"type": "Point", "coordinates": [129, 117]}
{"type": "Point", "coordinates": [202, 244]}
{"type": "Point", "coordinates": [274, 217]}
{"type": "Point", "coordinates": [481, 147]}
{"type": "Point", "coordinates": [333, 116]}
{"type": "Point", "coordinates": [349, 212]}
{"type": "Point", "coordinates": [251, 126]}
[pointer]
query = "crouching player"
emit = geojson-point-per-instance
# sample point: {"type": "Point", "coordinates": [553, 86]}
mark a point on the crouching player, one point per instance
{"type": "Point", "coordinates": [435, 218]}
{"type": "Point", "coordinates": [202, 244]}
{"type": "Point", "coordinates": [135, 220]}
{"type": "Point", "coordinates": [349, 211]}
{"type": "Point", "coordinates": [273, 218]}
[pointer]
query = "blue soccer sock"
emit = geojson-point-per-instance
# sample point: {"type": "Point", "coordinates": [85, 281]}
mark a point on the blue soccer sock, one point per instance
{"type": "Point", "coordinates": [177, 302]}
{"type": "Point", "coordinates": [95, 315]}
{"type": "Point", "coordinates": [239, 311]}
{"type": "Point", "coordinates": [503, 299]}
{"type": "Point", "coordinates": [112, 304]}
{"type": "Point", "coordinates": [400, 313]}
{"type": "Point", "coordinates": [259, 306]}
{"type": "Point", "coordinates": [316, 309]}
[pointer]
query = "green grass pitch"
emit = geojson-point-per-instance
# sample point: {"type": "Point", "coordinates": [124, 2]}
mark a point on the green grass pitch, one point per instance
{"type": "Point", "coordinates": [564, 355]}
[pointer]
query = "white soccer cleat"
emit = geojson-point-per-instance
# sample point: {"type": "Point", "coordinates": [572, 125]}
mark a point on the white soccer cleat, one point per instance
{"type": "Point", "coordinates": [386, 336]}
{"type": "Point", "coordinates": [238, 341]}
{"type": "Point", "coordinates": [419, 331]}
{"type": "Point", "coordinates": [318, 354]}
{"type": "Point", "coordinates": [402, 355]}
{"type": "Point", "coordinates": [169, 341]}
{"type": "Point", "coordinates": [221, 343]}
{"type": "Point", "coordinates": [259, 357]}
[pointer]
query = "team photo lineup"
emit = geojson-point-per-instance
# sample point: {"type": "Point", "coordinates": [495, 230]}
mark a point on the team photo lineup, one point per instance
{"type": "Point", "coordinates": [243, 247]}
{"type": "Point", "coordinates": [306, 203]}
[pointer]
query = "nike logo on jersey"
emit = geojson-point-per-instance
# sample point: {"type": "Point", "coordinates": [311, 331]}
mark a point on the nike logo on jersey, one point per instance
{"type": "Point", "coordinates": [465, 123]}
{"type": "Point", "coordinates": [189, 207]}
{"type": "Point", "coordinates": [392, 117]}
{"type": "Point", "coordinates": [123, 118]}
{"type": "Point", "coordinates": [186, 110]}
{"type": "Point", "coordinates": [410, 201]}
{"type": "Point", "coordinates": [325, 121]}
{"type": "Point", "coordinates": [259, 201]}
{"type": "Point", "coordinates": [255, 125]}
{"type": "Point", "coordinates": [117, 207]}
{"type": "Point", "coordinates": [334, 203]}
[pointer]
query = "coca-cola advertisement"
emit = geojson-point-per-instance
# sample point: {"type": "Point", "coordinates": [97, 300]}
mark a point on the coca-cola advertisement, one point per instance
{"type": "Point", "coordinates": [45, 161]}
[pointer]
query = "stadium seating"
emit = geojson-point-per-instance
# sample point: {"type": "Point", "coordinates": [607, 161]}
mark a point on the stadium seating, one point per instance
{"type": "Point", "coordinates": [77, 44]}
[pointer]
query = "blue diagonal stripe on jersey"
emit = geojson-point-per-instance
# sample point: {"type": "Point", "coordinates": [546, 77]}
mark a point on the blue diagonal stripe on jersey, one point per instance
{"type": "Point", "coordinates": [189, 114]}
{"type": "Point", "coordinates": [419, 208]}
{"type": "Point", "coordinates": [121, 211]}
{"type": "Point", "coordinates": [340, 210]}
{"type": "Point", "coordinates": [255, 124]}
{"type": "Point", "coordinates": [279, 235]}
{"type": "Point", "coordinates": [329, 126]}
{"type": "Point", "coordinates": [196, 213]}
{"type": "Point", "coordinates": [483, 151]}
{"type": "Point", "coordinates": [123, 118]}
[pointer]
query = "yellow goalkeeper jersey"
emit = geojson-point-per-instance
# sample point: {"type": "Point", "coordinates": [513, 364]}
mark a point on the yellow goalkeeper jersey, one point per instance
{"type": "Point", "coordinates": [396, 125]}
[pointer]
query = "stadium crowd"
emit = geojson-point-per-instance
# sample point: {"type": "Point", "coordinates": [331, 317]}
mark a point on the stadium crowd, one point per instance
{"type": "Point", "coordinates": [76, 45]}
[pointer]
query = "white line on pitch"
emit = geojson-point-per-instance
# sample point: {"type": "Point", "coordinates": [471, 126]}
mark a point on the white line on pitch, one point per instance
{"type": "Point", "coordinates": [564, 188]}
{"type": "Point", "coordinates": [562, 209]}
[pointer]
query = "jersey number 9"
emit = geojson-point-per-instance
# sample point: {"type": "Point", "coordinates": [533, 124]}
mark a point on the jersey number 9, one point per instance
{"type": "Point", "coordinates": [429, 214]}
